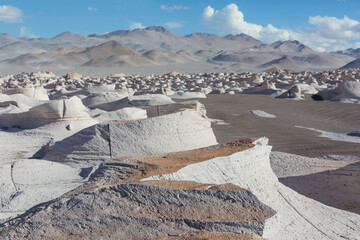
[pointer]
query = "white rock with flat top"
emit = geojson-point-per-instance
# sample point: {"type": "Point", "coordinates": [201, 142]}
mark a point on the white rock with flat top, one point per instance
{"type": "Point", "coordinates": [175, 132]}
{"type": "Point", "coordinates": [38, 93]}
{"type": "Point", "coordinates": [297, 217]}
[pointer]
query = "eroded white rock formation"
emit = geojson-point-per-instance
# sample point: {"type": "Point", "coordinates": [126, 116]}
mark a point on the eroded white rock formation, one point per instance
{"type": "Point", "coordinates": [98, 90]}
{"type": "Point", "coordinates": [27, 183]}
{"type": "Point", "coordinates": [298, 217]}
{"type": "Point", "coordinates": [180, 131]}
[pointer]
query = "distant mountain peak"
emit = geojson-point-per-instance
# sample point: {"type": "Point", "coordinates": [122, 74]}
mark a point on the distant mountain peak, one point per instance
{"type": "Point", "coordinates": [111, 34]}
{"type": "Point", "coordinates": [111, 44]}
{"type": "Point", "coordinates": [294, 44]}
{"type": "Point", "coordinates": [121, 33]}
{"type": "Point", "coordinates": [63, 34]}
{"type": "Point", "coordinates": [282, 62]}
{"type": "Point", "coordinates": [110, 47]}
{"type": "Point", "coordinates": [241, 36]}
{"type": "Point", "coordinates": [5, 34]}
{"type": "Point", "coordinates": [158, 29]}
{"type": "Point", "coordinates": [201, 35]}
{"type": "Point", "coordinates": [66, 35]}
{"type": "Point", "coordinates": [350, 52]}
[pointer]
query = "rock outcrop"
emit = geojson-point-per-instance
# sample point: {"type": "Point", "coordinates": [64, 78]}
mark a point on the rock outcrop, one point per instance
{"type": "Point", "coordinates": [348, 91]}
{"type": "Point", "coordinates": [169, 133]}
{"type": "Point", "coordinates": [27, 183]}
{"type": "Point", "coordinates": [297, 216]}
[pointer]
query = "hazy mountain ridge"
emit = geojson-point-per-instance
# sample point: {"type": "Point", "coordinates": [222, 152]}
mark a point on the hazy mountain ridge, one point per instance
{"type": "Point", "coordinates": [156, 46]}
{"type": "Point", "coordinates": [355, 53]}
{"type": "Point", "coordinates": [350, 51]}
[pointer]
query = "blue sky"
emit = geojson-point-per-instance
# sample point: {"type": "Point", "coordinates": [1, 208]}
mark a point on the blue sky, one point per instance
{"type": "Point", "coordinates": [318, 23]}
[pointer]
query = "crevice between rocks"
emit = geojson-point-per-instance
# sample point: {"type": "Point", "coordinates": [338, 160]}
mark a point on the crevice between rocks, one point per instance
{"type": "Point", "coordinates": [110, 153]}
{"type": "Point", "coordinates": [64, 110]}
{"type": "Point", "coordinates": [12, 178]}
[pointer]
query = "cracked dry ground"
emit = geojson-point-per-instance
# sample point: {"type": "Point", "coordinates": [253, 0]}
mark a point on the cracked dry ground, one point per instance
{"type": "Point", "coordinates": [115, 204]}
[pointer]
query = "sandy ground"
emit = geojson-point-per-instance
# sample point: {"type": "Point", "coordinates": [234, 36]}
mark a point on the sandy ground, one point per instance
{"type": "Point", "coordinates": [336, 187]}
{"type": "Point", "coordinates": [284, 137]}
{"type": "Point", "coordinates": [208, 236]}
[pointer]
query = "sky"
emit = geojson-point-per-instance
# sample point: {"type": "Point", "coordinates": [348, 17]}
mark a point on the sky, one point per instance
{"type": "Point", "coordinates": [324, 25]}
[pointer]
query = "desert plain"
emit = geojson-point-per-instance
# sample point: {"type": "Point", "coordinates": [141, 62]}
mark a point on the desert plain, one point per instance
{"type": "Point", "coordinates": [253, 141]}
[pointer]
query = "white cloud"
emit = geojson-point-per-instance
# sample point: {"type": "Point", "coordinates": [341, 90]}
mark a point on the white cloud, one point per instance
{"type": "Point", "coordinates": [326, 33]}
{"type": "Point", "coordinates": [357, 45]}
{"type": "Point", "coordinates": [330, 33]}
{"type": "Point", "coordinates": [136, 25]}
{"type": "Point", "coordinates": [173, 7]}
{"type": "Point", "coordinates": [271, 34]}
{"type": "Point", "coordinates": [230, 20]}
{"type": "Point", "coordinates": [10, 14]}
{"type": "Point", "coordinates": [90, 8]}
{"type": "Point", "coordinates": [24, 32]}
{"type": "Point", "coordinates": [332, 27]}
{"type": "Point", "coordinates": [173, 25]}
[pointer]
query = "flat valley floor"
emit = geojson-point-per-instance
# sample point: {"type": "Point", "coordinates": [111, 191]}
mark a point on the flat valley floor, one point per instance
{"type": "Point", "coordinates": [338, 188]}
{"type": "Point", "coordinates": [282, 131]}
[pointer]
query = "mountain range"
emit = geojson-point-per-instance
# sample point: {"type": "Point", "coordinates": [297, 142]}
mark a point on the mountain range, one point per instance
{"type": "Point", "coordinates": [155, 49]}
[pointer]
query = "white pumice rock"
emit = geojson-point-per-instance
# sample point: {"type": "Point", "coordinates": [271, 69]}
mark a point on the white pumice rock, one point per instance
{"type": "Point", "coordinates": [27, 183]}
{"type": "Point", "coordinates": [180, 131]}
{"type": "Point", "coordinates": [38, 93]}
{"type": "Point", "coordinates": [73, 75]}
{"type": "Point", "coordinates": [347, 91]}
{"type": "Point", "coordinates": [96, 99]}
{"type": "Point", "coordinates": [168, 84]}
{"type": "Point", "coordinates": [297, 91]}
{"type": "Point", "coordinates": [297, 217]}
{"type": "Point", "coordinates": [55, 113]}
{"type": "Point", "coordinates": [123, 114]}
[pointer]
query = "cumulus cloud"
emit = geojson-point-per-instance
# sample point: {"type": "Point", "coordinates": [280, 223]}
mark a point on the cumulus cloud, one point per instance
{"type": "Point", "coordinates": [173, 25]}
{"type": "Point", "coordinates": [136, 25]}
{"type": "Point", "coordinates": [326, 33]}
{"type": "Point", "coordinates": [332, 27]}
{"type": "Point", "coordinates": [24, 32]}
{"type": "Point", "coordinates": [90, 8]}
{"type": "Point", "coordinates": [10, 14]}
{"type": "Point", "coordinates": [173, 7]}
{"type": "Point", "coordinates": [230, 20]}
